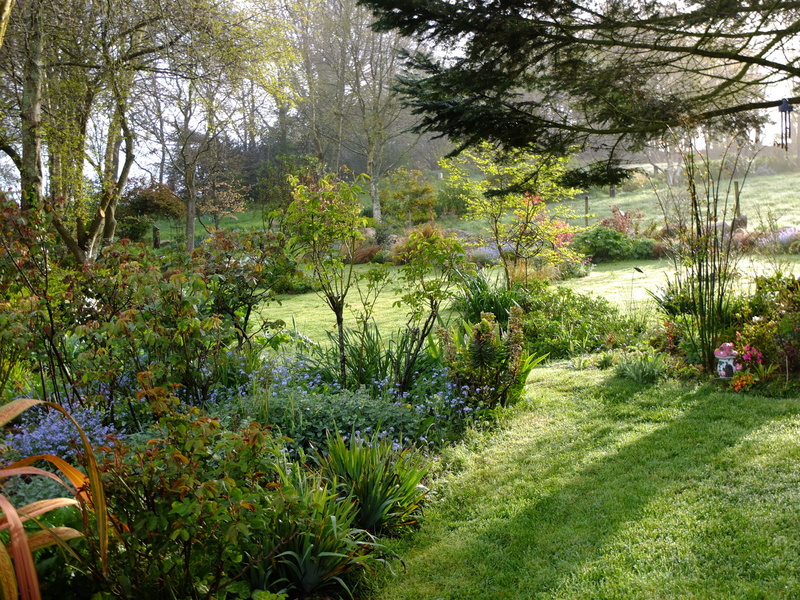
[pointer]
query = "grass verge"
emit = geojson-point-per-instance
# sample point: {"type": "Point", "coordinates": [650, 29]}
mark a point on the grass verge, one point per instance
{"type": "Point", "coordinates": [601, 488]}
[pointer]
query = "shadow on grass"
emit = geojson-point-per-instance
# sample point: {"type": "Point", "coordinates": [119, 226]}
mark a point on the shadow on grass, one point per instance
{"type": "Point", "coordinates": [539, 536]}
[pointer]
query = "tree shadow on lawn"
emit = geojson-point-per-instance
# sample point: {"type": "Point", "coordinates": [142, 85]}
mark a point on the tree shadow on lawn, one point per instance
{"type": "Point", "coordinates": [540, 540]}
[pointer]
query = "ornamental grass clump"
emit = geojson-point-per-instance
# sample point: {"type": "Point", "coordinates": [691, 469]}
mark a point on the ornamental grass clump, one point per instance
{"type": "Point", "coordinates": [384, 482]}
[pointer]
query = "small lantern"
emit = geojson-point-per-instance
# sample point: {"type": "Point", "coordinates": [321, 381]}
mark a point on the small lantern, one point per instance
{"type": "Point", "coordinates": [726, 357]}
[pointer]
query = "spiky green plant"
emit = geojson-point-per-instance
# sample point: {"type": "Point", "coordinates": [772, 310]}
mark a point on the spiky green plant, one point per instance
{"type": "Point", "coordinates": [384, 482]}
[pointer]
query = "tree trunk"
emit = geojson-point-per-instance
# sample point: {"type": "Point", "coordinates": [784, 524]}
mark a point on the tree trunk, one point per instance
{"type": "Point", "coordinates": [31, 110]}
{"type": "Point", "coordinates": [339, 310]}
{"type": "Point", "coordinates": [191, 209]}
{"type": "Point", "coordinates": [374, 193]}
{"type": "Point", "coordinates": [5, 15]}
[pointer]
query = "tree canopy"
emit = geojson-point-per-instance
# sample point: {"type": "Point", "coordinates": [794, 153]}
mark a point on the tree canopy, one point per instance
{"type": "Point", "coordinates": [548, 75]}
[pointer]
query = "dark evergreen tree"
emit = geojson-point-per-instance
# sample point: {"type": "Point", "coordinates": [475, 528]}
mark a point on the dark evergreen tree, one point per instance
{"type": "Point", "coordinates": [550, 75]}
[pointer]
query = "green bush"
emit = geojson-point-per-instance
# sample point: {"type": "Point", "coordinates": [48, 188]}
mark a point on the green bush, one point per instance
{"type": "Point", "coordinates": [308, 418]}
{"type": "Point", "coordinates": [604, 244]}
{"type": "Point", "coordinates": [563, 323]}
{"type": "Point", "coordinates": [491, 366]}
{"type": "Point", "coordinates": [451, 199]}
{"type": "Point", "coordinates": [191, 505]}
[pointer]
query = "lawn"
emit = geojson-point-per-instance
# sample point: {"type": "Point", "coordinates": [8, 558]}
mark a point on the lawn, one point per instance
{"type": "Point", "coordinates": [601, 488]}
{"type": "Point", "coordinates": [760, 196]}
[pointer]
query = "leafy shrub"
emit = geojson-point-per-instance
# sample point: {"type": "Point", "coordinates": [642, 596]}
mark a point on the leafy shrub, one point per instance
{"type": "Point", "coordinates": [384, 482]}
{"type": "Point", "coordinates": [14, 340]}
{"type": "Point", "coordinates": [191, 505]}
{"type": "Point", "coordinates": [306, 409]}
{"type": "Point", "coordinates": [451, 199]}
{"type": "Point", "coordinates": [608, 244]}
{"type": "Point", "coordinates": [308, 418]}
{"type": "Point", "coordinates": [562, 323]}
{"type": "Point", "coordinates": [636, 181]}
{"type": "Point", "coordinates": [408, 197]}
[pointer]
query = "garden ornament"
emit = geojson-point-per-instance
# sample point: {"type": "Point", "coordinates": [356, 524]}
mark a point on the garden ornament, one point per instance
{"type": "Point", "coordinates": [726, 356]}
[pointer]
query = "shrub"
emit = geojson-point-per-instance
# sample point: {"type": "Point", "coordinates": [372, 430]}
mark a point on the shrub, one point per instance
{"type": "Point", "coordinates": [562, 323]}
{"type": "Point", "coordinates": [191, 505]}
{"type": "Point", "coordinates": [451, 199]}
{"type": "Point", "coordinates": [608, 244]}
{"type": "Point", "coordinates": [408, 197]}
{"type": "Point", "coordinates": [308, 417]}
{"type": "Point", "coordinates": [636, 181]}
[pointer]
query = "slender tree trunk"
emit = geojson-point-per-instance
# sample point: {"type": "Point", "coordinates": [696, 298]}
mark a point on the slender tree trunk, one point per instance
{"type": "Point", "coordinates": [191, 208]}
{"type": "Point", "coordinates": [31, 109]}
{"type": "Point", "coordinates": [339, 310]}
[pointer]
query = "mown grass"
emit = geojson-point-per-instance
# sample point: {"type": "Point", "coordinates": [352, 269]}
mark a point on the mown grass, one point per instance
{"type": "Point", "coordinates": [760, 196]}
{"type": "Point", "coordinates": [601, 488]}
{"type": "Point", "coordinates": [618, 282]}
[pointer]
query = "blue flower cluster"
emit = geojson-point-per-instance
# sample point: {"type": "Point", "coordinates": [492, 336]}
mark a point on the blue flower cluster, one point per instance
{"type": "Point", "coordinates": [49, 432]}
{"type": "Point", "coordinates": [304, 407]}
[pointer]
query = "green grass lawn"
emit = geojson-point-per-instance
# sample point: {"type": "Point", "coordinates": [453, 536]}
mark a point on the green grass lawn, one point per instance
{"type": "Point", "coordinates": [601, 488]}
{"type": "Point", "coordinates": [760, 196]}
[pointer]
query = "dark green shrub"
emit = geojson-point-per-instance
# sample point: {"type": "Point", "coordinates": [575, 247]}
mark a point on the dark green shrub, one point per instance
{"type": "Point", "coordinates": [451, 199]}
{"type": "Point", "coordinates": [604, 244]}
{"type": "Point", "coordinates": [643, 248]}
{"type": "Point", "coordinates": [308, 418]}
